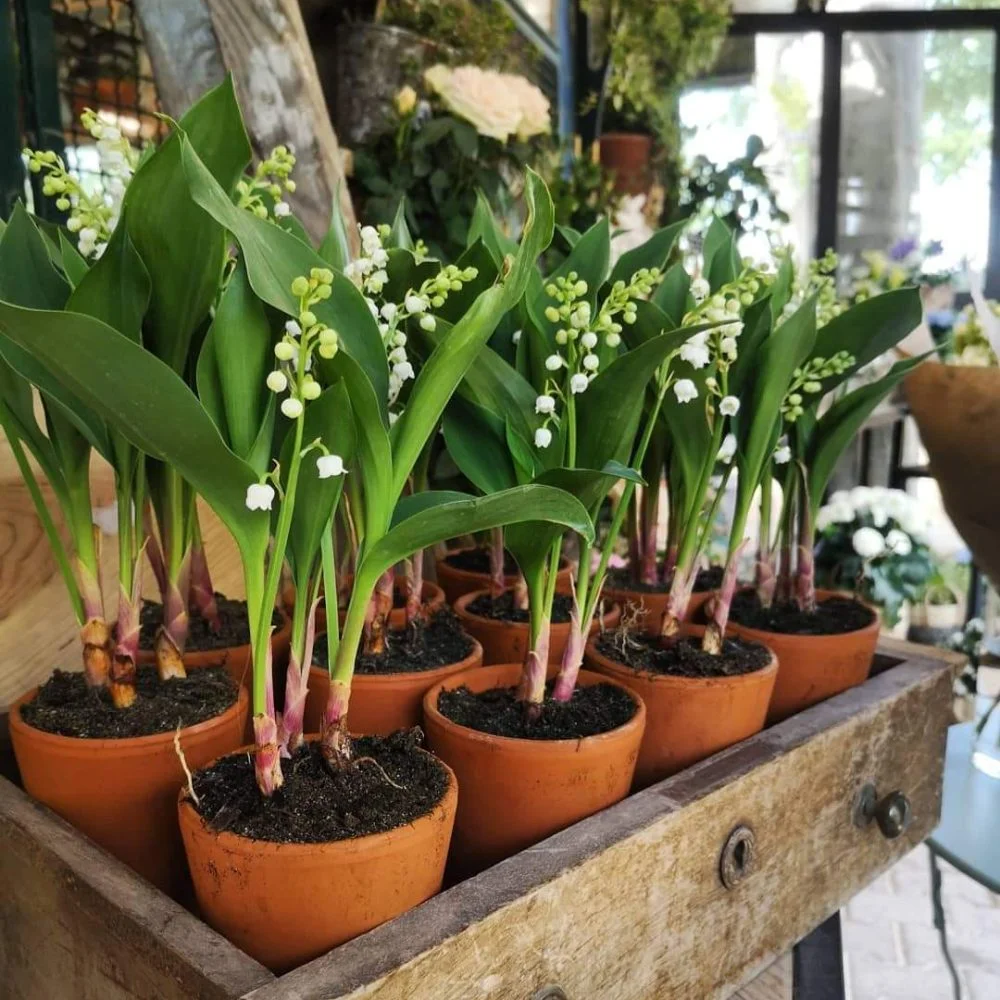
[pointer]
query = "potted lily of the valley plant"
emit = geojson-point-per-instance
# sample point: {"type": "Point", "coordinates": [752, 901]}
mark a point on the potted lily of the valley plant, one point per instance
{"type": "Point", "coordinates": [327, 837]}
{"type": "Point", "coordinates": [824, 641]}
{"type": "Point", "coordinates": [547, 754]}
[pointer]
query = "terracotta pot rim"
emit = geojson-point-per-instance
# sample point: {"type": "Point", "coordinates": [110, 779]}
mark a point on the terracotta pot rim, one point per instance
{"type": "Point", "coordinates": [414, 675]}
{"type": "Point", "coordinates": [564, 563]}
{"type": "Point", "coordinates": [620, 134]}
{"type": "Point", "coordinates": [126, 745]}
{"type": "Point", "coordinates": [571, 746]}
{"type": "Point", "coordinates": [672, 680]}
{"type": "Point", "coordinates": [372, 844]}
{"type": "Point", "coordinates": [874, 626]}
{"type": "Point", "coordinates": [461, 607]}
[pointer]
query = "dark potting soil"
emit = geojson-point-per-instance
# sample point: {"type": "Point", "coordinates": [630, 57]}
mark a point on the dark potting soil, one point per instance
{"type": "Point", "coordinates": [421, 647]}
{"type": "Point", "coordinates": [684, 656]}
{"type": "Point", "coordinates": [67, 706]}
{"type": "Point", "coordinates": [834, 616]}
{"type": "Point", "coordinates": [233, 620]}
{"type": "Point", "coordinates": [478, 561]}
{"type": "Point", "coordinates": [621, 579]}
{"type": "Point", "coordinates": [398, 600]}
{"type": "Point", "coordinates": [389, 783]}
{"type": "Point", "coordinates": [502, 609]}
{"type": "Point", "coordinates": [598, 708]}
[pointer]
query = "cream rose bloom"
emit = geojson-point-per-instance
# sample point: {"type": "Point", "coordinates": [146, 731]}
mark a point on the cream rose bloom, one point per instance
{"type": "Point", "coordinates": [479, 96]}
{"type": "Point", "coordinates": [534, 106]}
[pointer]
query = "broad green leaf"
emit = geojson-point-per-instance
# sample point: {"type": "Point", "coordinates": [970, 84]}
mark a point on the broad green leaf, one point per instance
{"type": "Point", "coordinates": [452, 358]}
{"type": "Point", "coordinates": [275, 258]}
{"type": "Point", "coordinates": [336, 246]}
{"type": "Point", "coordinates": [181, 245]}
{"type": "Point", "coordinates": [415, 503]}
{"type": "Point", "coordinates": [147, 402]}
{"type": "Point", "coordinates": [73, 263]}
{"type": "Point", "coordinates": [457, 303]}
{"type": "Point", "coordinates": [399, 234]}
{"type": "Point", "coordinates": [717, 242]}
{"type": "Point", "coordinates": [757, 324]}
{"type": "Point", "coordinates": [655, 252]}
{"type": "Point", "coordinates": [570, 235]}
{"type": "Point", "coordinates": [672, 295]}
{"type": "Point", "coordinates": [782, 288]}
{"type": "Point", "coordinates": [240, 337]}
{"type": "Point", "coordinates": [477, 443]}
{"type": "Point", "coordinates": [485, 227]}
{"type": "Point", "coordinates": [837, 427]}
{"type": "Point", "coordinates": [590, 486]}
{"type": "Point", "coordinates": [27, 274]}
{"type": "Point", "coordinates": [329, 420]}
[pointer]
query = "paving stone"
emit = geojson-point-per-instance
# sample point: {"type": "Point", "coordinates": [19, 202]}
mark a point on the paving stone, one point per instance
{"type": "Point", "coordinates": [982, 985]}
{"type": "Point", "coordinates": [872, 980]}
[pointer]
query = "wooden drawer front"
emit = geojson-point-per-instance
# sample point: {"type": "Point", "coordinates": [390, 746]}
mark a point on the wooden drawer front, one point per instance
{"type": "Point", "coordinates": [629, 905]}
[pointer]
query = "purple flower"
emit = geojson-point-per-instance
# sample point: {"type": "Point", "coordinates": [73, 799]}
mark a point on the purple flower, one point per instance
{"type": "Point", "coordinates": [902, 249]}
{"type": "Point", "coordinates": [933, 248]}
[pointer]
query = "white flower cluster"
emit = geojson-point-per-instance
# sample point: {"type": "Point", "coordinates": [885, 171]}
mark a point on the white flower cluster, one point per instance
{"type": "Point", "coordinates": [92, 215]}
{"type": "Point", "coordinates": [897, 520]}
{"type": "Point", "coordinates": [272, 176]}
{"type": "Point", "coordinates": [580, 333]}
{"type": "Point", "coordinates": [368, 272]}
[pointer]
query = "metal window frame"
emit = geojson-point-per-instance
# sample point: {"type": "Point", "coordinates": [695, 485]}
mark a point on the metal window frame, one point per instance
{"type": "Point", "coordinates": [832, 27]}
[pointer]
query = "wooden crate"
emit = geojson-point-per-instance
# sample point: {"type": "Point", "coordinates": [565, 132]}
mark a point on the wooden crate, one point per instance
{"type": "Point", "coordinates": [627, 905]}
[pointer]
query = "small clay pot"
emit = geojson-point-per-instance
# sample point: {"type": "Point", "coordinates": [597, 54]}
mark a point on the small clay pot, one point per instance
{"type": "Point", "coordinates": [238, 660]}
{"type": "Point", "coordinates": [456, 582]}
{"type": "Point", "coordinates": [689, 718]}
{"type": "Point", "coordinates": [812, 668]}
{"type": "Point", "coordinates": [628, 155]}
{"type": "Point", "coordinates": [654, 603]}
{"type": "Point", "coordinates": [516, 792]}
{"type": "Point", "coordinates": [123, 793]}
{"type": "Point", "coordinates": [382, 703]}
{"type": "Point", "coordinates": [507, 642]}
{"type": "Point", "coordinates": [431, 593]}
{"type": "Point", "coordinates": [285, 904]}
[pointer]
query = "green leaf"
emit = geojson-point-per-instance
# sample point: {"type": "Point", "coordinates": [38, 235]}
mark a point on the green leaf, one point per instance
{"type": "Point", "coordinates": [485, 227]}
{"type": "Point", "coordinates": [27, 275]}
{"type": "Point", "coordinates": [782, 288]}
{"type": "Point", "coordinates": [570, 235]}
{"type": "Point", "coordinates": [145, 400]}
{"type": "Point", "coordinates": [452, 358]}
{"type": "Point", "coordinates": [240, 339]}
{"type": "Point", "coordinates": [653, 253]}
{"type": "Point", "coordinates": [672, 295]}
{"type": "Point", "coordinates": [328, 419]}
{"type": "Point", "coordinates": [590, 486]}
{"type": "Point", "coordinates": [717, 243]}
{"type": "Point", "coordinates": [467, 140]}
{"type": "Point", "coordinates": [836, 428]}
{"type": "Point", "coordinates": [430, 525]}
{"type": "Point", "coordinates": [73, 263]}
{"type": "Point", "coordinates": [275, 258]}
{"type": "Point", "coordinates": [458, 303]}
{"type": "Point", "coordinates": [399, 235]}
{"type": "Point", "coordinates": [336, 246]}
{"type": "Point", "coordinates": [181, 245]}
{"type": "Point", "coordinates": [477, 443]}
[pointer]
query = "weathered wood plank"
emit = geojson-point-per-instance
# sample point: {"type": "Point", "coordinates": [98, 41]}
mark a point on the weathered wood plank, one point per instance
{"type": "Point", "coordinates": [774, 983]}
{"type": "Point", "coordinates": [75, 924]}
{"type": "Point", "coordinates": [628, 905]}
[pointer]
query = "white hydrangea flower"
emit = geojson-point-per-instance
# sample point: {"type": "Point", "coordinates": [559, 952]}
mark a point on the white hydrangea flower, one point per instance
{"type": "Point", "coordinates": [545, 404]}
{"type": "Point", "coordinates": [685, 390]}
{"type": "Point", "coordinates": [578, 383]}
{"type": "Point", "coordinates": [729, 406]}
{"type": "Point", "coordinates": [329, 466]}
{"type": "Point", "coordinates": [543, 437]}
{"type": "Point", "coordinates": [868, 543]}
{"type": "Point", "coordinates": [899, 542]}
{"type": "Point", "coordinates": [260, 496]}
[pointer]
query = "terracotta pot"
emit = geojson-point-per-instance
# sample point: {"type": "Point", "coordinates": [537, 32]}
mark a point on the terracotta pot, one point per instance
{"type": "Point", "coordinates": [123, 793]}
{"type": "Point", "coordinates": [382, 703]}
{"type": "Point", "coordinates": [285, 904]}
{"type": "Point", "coordinates": [507, 642]}
{"type": "Point", "coordinates": [236, 659]}
{"type": "Point", "coordinates": [628, 154]}
{"type": "Point", "coordinates": [957, 409]}
{"type": "Point", "coordinates": [457, 582]}
{"type": "Point", "coordinates": [812, 668]}
{"type": "Point", "coordinates": [689, 718]}
{"type": "Point", "coordinates": [433, 600]}
{"type": "Point", "coordinates": [516, 792]}
{"type": "Point", "coordinates": [654, 603]}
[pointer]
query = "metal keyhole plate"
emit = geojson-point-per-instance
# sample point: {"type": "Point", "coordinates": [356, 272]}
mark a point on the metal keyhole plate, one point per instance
{"type": "Point", "coordinates": [549, 993]}
{"type": "Point", "coordinates": [738, 856]}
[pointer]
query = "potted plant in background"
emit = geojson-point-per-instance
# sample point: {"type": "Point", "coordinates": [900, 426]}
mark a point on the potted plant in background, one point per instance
{"type": "Point", "coordinates": [824, 641]}
{"type": "Point", "coordinates": [653, 49]}
{"type": "Point", "coordinates": [109, 763]}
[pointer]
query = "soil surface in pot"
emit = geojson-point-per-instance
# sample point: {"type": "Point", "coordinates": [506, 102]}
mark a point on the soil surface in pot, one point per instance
{"type": "Point", "coordinates": [398, 599]}
{"type": "Point", "coordinates": [420, 647]}
{"type": "Point", "coordinates": [66, 706]}
{"type": "Point", "coordinates": [621, 579]}
{"type": "Point", "coordinates": [389, 783]}
{"type": "Point", "coordinates": [233, 619]}
{"type": "Point", "coordinates": [834, 616]}
{"type": "Point", "coordinates": [595, 709]}
{"type": "Point", "coordinates": [502, 609]}
{"type": "Point", "coordinates": [683, 657]}
{"type": "Point", "coordinates": [478, 561]}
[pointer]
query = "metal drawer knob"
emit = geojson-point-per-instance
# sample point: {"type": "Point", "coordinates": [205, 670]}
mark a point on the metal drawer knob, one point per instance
{"type": "Point", "coordinates": [892, 813]}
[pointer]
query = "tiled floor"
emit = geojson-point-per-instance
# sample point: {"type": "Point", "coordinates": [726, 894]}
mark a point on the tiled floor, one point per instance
{"type": "Point", "coordinates": [891, 949]}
